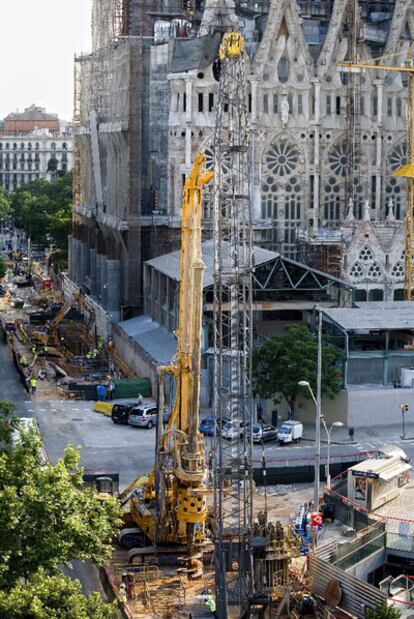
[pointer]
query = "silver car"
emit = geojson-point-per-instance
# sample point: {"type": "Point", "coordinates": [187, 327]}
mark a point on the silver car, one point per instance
{"type": "Point", "coordinates": [265, 432]}
{"type": "Point", "coordinates": [143, 416]}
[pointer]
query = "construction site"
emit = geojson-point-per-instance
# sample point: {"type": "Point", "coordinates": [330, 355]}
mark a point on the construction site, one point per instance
{"type": "Point", "coordinates": [197, 544]}
{"type": "Point", "coordinates": [55, 339]}
{"type": "Point", "coordinates": [252, 125]}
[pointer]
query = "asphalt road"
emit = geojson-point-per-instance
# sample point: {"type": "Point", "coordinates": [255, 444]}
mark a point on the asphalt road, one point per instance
{"type": "Point", "coordinates": [130, 451]}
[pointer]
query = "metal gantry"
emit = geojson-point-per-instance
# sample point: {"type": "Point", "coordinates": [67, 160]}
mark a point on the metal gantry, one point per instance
{"type": "Point", "coordinates": [233, 333]}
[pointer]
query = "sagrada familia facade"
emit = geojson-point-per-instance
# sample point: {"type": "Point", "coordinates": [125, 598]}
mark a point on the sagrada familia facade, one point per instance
{"type": "Point", "coordinates": [325, 142]}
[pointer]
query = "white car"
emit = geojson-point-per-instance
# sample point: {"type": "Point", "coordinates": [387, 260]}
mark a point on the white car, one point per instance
{"type": "Point", "coordinates": [230, 430]}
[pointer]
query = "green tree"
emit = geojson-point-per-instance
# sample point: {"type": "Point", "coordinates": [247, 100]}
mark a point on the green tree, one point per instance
{"type": "Point", "coordinates": [52, 597]}
{"type": "Point", "coordinates": [383, 611]}
{"type": "Point", "coordinates": [8, 423]}
{"type": "Point", "coordinates": [284, 360]}
{"type": "Point", "coordinates": [48, 516]}
{"type": "Point", "coordinates": [52, 164]}
{"type": "Point", "coordinates": [3, 268]}
{"type": "Point", "coordinates": [44, 210]}
{"type": "Point", "coordinates": [5, 208]}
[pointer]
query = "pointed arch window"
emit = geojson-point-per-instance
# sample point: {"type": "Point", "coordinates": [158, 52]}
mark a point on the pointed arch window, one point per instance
{"type": "Point", "coordinates": [394, 186]}
{"type": "Point", "coordinates": [283, 70]}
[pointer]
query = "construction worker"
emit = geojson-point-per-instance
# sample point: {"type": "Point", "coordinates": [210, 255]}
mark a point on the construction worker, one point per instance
{"type": "Point", "coordinates": [111, 389]}
{"type": "Point", "coordinates": [23, 360]}
{"type": "Point", "coordinates": [46, 350]}
{"type": "Point", "coordinates": [211, 605]}
{"type": "Point", "coordinates": [33, 385]}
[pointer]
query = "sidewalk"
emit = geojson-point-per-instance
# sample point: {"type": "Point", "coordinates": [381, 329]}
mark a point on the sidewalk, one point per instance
{"type": "Point", "coordinates": [363, 436]}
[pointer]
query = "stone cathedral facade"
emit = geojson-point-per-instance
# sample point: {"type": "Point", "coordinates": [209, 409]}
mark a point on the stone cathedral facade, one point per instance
{"type": "Point", "coordinates": [145, 104]}
{"type": "Point", "coordinates": [297, 103]}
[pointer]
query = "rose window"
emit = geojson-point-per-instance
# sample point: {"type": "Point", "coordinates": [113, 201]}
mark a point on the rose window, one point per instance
{"type": "Point", "coordinates": [338, 159]}
{"type": "Point", "coordinates": [398, 157]}
{"type": "Point", "coordinates": [282, 159]}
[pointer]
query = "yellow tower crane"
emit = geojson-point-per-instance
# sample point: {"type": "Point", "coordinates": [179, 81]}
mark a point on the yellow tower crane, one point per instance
{"type": "Point", "coordinates": [407, 170]}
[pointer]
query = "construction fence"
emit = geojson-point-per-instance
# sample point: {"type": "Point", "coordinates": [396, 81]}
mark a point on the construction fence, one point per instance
{"type": "Point", "coordinates": [357, 595]}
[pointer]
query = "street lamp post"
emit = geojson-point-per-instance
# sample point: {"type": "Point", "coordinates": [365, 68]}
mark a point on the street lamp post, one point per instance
{"type": "Point", "coordinates": [318, 410]}
{"type": "Point", "coordinates": [404, 409]}
{"type": "Point", "coordinates": [335, 424]}
{"type": "Point", "coordinates": [317, 401]}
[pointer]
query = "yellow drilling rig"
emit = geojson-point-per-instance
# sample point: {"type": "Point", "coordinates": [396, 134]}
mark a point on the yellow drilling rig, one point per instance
{"type": "Point", "coordinates": [169, 506]}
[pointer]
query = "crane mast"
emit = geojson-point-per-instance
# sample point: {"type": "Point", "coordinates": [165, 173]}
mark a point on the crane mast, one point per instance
{"type": "Point", "coordinates": [171, 508]}
{"type": "Point", "coordinates": [233, 332]}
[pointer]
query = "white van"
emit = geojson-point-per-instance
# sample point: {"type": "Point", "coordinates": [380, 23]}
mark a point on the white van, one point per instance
{"type": "Point", "coordinates": [290, 432]}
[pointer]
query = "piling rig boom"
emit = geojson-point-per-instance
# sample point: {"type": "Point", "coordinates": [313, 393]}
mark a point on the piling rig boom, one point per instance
{"type": "Point", "coordinates": [171, 506]}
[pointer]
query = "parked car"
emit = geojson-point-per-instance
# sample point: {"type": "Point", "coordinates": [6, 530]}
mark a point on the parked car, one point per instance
{"type": "Point", "coordinates": [290, 432]}
{"type": "Point", "coordinates": [265, 432]}
{"type": "Point", "coordinates": [120, 413]}
{"type": "Point", "coordinates": [145, 415]}
{"type": "Point", "coordinates": [230, 430]}
{"type": "Point", "coordinates": [207, 425]}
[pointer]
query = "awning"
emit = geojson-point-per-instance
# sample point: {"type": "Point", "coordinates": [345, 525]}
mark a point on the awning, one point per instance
{"type": "Point", "coordinates": [395, 471]}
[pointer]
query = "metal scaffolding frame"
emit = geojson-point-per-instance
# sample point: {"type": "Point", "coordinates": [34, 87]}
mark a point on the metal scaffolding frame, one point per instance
{"type": "Point", "coordinates": [233, 333]}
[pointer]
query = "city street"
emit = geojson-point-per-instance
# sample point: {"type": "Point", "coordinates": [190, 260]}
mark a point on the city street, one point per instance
{"type": "Point", "coordinates": [130, 451]}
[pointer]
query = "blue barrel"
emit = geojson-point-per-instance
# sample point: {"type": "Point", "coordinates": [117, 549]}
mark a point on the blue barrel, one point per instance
{"type": "Point", "coordinates": [101, 393]}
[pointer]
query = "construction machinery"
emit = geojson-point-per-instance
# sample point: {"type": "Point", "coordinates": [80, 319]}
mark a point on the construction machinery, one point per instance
{"type": "Point", "coordinates": [407, 170]}
{"type": "Point", "coordinates": [50, 336]}
{"type": "Point", "coordinates": [169, 506]}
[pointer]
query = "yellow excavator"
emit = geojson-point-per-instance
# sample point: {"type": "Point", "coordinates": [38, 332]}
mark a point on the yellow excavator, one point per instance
{"type": "Point", "coordinates": [169, 506]}
{"type": "Point", "coordinates": [51, 336]}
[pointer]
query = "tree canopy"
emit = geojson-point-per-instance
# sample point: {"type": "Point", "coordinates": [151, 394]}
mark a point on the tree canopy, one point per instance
{"type": "Point", "coordinates": [5, 208]}
{"type": "Point", "coordinates": [284, 360]}
{"type": "Point", "coordinates": [44, 210]}
{"type": "Point", "coordinates": [52, 597]}
{"type": "Point", "coordinates": [8, 423]}
{"type": "Point", "coordinates": [49, 518]}
{"type": "Point", "coordinates": [3, 268]}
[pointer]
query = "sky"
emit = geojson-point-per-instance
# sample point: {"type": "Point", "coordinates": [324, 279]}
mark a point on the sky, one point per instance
{"type": "Point", "coordinates": [37, 44]}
